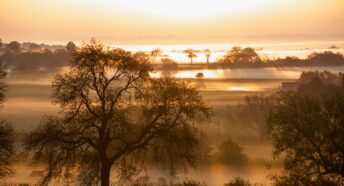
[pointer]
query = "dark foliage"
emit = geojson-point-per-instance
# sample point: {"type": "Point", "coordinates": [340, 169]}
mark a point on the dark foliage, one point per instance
{"type": "Point", "coordinates": [232, 154]}
{"type": "Point", "coordinates": [6, 148]}
{"type": "Point", "coordinates": [6, 133]}
{"type": "Point", "coordinates": [308, 132]}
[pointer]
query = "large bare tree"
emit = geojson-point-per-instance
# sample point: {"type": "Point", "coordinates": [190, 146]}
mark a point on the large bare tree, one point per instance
{"type": "Point", "coordinates": [112, 112]}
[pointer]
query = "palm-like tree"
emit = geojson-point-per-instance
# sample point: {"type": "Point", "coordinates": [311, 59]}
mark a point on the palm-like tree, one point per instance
{"type": "Point", "coordinates": [190, 53]}
{"type": "Point", "coordinates": [207, 54]}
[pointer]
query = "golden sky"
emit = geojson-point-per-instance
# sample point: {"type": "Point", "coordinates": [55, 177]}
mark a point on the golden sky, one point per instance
{"type": "Point", "coordinates": [173, 22]}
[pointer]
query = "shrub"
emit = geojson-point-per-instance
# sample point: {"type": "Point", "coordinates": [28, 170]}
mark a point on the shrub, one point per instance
{"type": "Point", "coordinates": [237, 181]}
{"type": "Point", "coordinates": [232, 154]}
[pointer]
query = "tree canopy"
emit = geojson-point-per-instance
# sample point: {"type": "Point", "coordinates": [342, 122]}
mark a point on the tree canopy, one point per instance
{"type": "Point", "coordinates": [308, 130]}
{"type": "Point", "coordinates": [239, 55]}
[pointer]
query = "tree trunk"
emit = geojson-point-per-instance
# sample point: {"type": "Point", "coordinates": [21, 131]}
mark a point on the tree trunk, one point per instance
{"type": "Point", "coordinates": [105, 174]}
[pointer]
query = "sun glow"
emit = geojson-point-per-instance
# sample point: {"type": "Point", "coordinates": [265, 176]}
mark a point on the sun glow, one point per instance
{"type": "Point", "coordinates": [190, 8]}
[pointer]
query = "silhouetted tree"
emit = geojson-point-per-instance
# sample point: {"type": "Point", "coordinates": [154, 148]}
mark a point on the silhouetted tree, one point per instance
{"type": "Point", "coordinates": [234, 55]}
{"type": "Point", "coordinates": [207, 54]}
{"type": "Point", "coordinates": [13, 46]}
{"type": "Point", "coordinates": [31, 46]}
{"type": "Point", "coordinates": [250, 55]}
{"type": "Point", "coordinates": [239, 55]}
{"type": "Point", "coordinates": [190, 53]}
{"type": "Point", "coordinates": [326, 58]}
{"type": "Point", "coordinates": [308, 131]}
{"type": "Point", "coordinates": [112, 113]}
{"type": "Point", "coordinates": [305, 127]}
{"type": "Point", "coordinates": [156, 52]}
{"type": "Point", "coordinates": [71, 47]}
{"type": "Point", "coordinates": [6, 134]}
{"type": "Point", "coordinates": [232, 154]}
{"type": "Point", "coordinates": [315, 83]}
{"type": "Point", "coordinates": [325, 77]}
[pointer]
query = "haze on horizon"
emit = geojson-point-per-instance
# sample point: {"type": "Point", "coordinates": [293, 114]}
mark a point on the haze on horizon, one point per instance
{"type": "Point", "coordinates": [171, 22]}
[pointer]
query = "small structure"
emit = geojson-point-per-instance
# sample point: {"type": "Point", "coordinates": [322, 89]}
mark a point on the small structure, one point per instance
{"type": "Point", "coordinates": [200, 80]}
{"type": "Point", "coordinates": [199, 75]}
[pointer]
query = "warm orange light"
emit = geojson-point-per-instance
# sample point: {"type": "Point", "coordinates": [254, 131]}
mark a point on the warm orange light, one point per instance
{"type": "Point", "coordinates": [189, 8]}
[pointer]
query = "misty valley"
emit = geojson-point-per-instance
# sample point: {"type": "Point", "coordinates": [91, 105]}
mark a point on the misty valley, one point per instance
{"type": "Point", "coordinates": [90, 114]}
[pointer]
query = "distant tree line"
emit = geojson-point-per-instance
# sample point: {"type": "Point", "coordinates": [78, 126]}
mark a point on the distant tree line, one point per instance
{"type": "Point", "coordinates": [239, 57]}
{"type": "Point", "coordinates": [32, 57]}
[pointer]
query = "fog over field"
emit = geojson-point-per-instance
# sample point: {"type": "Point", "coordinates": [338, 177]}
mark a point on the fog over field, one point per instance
{"type": "Point", "coordinates": [29, 99]}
